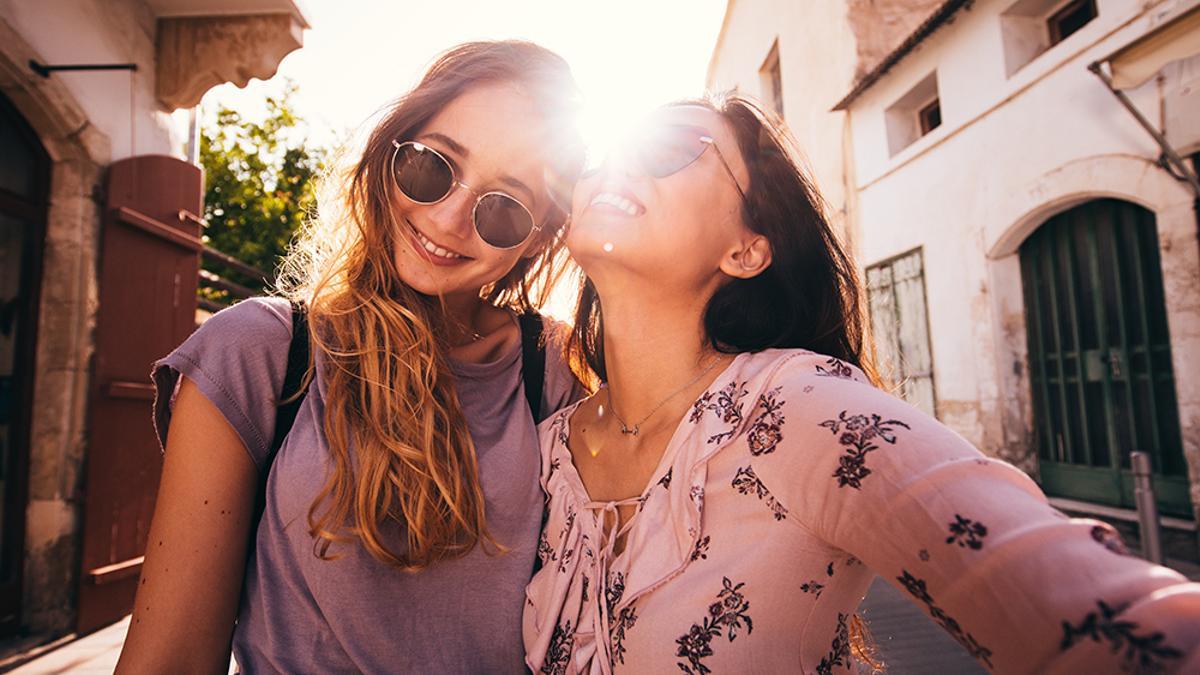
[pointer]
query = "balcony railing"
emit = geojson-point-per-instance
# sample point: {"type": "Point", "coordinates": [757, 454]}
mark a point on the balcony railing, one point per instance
{"type": "Point", "coordinates": [234, 291]}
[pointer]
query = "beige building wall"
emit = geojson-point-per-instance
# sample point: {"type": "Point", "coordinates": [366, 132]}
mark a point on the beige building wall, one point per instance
{"type": "Point", "coordinates": [817, 66]}
{"type": "Point", "coordinates": [1015, 147]}
{"type": "Point", "coordinates": [1011, 152]}
{"type": "Point", "coordinates": [824, 46]}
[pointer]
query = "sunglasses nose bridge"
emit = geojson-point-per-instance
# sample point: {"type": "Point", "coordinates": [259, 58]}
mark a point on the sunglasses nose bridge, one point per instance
{"type": "Point", "coordinates": [454, 213]}
{"type": "Point", "coordinates": [458, 184]}
{"type": "Point", "coordinates": [621, 162]}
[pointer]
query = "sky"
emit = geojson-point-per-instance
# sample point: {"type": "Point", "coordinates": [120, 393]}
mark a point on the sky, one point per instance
{"type": "Point", "coordinates": [628, 55]}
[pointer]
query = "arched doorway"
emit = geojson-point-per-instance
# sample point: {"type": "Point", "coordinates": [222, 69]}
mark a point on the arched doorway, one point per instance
{"type": "Point", "coordinates": [24, 182]}
{"type": "Point", "coordinates": [1100, 355]}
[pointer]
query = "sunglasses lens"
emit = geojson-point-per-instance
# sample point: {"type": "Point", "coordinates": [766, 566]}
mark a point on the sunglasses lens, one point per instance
{"type": "Point", "coordinates": [502, 221]}
{"type": "Point", "coordinates": [669, 150]}
{"type": "Point", "coordinates": [421, 174]}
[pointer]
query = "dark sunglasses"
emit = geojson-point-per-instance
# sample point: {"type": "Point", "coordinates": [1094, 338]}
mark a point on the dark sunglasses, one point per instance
{"type": "Point", "coordinates": [425, 177]}
{"type": "Point", "coordinates": [665, 149]}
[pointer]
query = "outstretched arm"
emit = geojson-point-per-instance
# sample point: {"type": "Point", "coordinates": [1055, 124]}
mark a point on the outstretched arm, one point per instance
{"type": "Point", "coordinates": [972, 540]}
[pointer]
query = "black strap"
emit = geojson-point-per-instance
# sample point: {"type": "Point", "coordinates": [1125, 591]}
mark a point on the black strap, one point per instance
{"type": "Point", "coordinates": [533, 360]}
{"type": "Point", "coordinates": [285, 413]}
{"type": "Point", "coordinates": [533, 369]}
{"type": "Point", "coordinates": [533, 372]}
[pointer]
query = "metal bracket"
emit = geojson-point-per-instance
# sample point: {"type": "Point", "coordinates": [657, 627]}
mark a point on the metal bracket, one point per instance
{"type": "Point", "coordinates": [1173, 160]}
{"type": "Point", "coordinates": [45, 70]}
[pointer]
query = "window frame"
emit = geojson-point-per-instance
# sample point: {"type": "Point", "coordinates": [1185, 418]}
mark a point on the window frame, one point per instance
{"type": "Point", "coordinates": [770, 75]}
{"type": "Point", "coordinates": [925, 113]}
{"type": "Point", "coordinates": [1058, 16]}
{"type": "Point", "coordinates": [900, 374]}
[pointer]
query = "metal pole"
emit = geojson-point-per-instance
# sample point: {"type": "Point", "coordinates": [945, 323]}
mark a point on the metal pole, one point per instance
{"type": "Point", "coordinates": [1169, 153]}
{"type": "Point", "coordinates": [45, 70]}
{"type": "Point", "coordinates": [1147, 508]}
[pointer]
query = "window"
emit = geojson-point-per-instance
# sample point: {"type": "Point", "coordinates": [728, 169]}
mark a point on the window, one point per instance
{"type": "Point", "coordinates": [772, 80]}
{"type": "Point", "coordinates": [1031, 27]}
{"type": "Point", "coordinates": [915, 114]}
{"type": "Point", "coordinates": [896, 293]}
{"type": "Point", "coordinates": [1070, 18]}
{"type": "Point", "coordinates": [930, 117]}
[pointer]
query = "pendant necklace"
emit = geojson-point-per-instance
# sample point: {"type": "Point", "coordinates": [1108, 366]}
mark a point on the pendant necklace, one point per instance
{"type": "Point", "coordinates": [633, 429]}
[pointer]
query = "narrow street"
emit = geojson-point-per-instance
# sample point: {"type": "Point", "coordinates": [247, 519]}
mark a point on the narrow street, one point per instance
{"type": "Point", "coordinates": [908, 642]}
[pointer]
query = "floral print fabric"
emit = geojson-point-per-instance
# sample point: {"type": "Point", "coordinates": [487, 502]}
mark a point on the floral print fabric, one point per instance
{"type": "Point", "coordinates": [789, 485]}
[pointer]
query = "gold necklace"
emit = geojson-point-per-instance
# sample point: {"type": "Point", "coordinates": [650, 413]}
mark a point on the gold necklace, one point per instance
{"type": "Point", "coordinates": [473, 334]}
{"type": "Point", "coordinates": [636, 427]}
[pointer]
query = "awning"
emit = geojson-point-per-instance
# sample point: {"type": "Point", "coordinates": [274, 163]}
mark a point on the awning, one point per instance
{"type": "Point", "coordinates": [1175, 39]}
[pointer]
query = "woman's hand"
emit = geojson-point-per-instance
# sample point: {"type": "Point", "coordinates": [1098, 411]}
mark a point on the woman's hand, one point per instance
{"type": "Point", "coordinates": [191, 580]}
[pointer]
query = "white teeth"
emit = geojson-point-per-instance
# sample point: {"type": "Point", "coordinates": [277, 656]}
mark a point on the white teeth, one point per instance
{"type": "Point", "coordinates": [433, 248]}
{"type": "Point", "coordinates": [617, 201]}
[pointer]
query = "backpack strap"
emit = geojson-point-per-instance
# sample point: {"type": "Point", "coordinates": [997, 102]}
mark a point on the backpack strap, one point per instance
{"type": "Point", "coordinates": [533, 372]}
{"type": "Point", "coordinates": [285, 413]}
{"type": "Point", "coordinates": [533, 369]}
{"type": "Point", "coordinates": [533, 360]}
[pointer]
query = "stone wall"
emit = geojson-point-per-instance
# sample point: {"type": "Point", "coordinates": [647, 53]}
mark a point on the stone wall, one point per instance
{"type": "Point", "coordinates": [78, 151]}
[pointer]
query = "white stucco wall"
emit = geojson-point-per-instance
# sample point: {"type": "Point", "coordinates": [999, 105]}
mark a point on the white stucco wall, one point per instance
{"type": "Point", "coordinates": [1010, 153]}
{"type": "Point", "coordinates": [817, 59]}
{"type": "Point", "coordinates": [104, 31]}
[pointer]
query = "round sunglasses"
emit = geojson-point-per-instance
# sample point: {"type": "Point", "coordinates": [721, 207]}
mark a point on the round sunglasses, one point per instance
{"type": "Point", "coordinates": [425, 177]}
{"type": "Point", "coordinates": [666, 149]}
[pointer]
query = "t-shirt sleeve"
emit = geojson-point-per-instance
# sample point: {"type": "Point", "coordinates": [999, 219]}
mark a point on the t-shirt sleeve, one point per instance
{"type": "Point", "coordinates": [971, 540]}
{"type": "Point", "coordinates": [237, 359]}
{"type": "Point", "coordinates": [562, 388]}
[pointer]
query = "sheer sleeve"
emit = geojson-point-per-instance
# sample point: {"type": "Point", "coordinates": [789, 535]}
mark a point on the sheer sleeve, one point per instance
{"type": "Point", "coordinates": [971, 540]}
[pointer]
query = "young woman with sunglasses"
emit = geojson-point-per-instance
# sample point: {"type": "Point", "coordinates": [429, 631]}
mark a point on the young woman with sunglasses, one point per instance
{"type": "Point", "coordinates": [722, 503]}
{"type": "Point", "coordinates": [400, 517]}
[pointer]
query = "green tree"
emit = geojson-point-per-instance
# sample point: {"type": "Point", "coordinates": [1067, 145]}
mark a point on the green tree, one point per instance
{"type": "Point", "coordinates": [259, 186]}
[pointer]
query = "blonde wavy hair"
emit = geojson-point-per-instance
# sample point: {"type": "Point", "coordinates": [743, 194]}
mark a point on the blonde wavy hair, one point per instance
{"type": "Point", "coordinates": [398, 441]}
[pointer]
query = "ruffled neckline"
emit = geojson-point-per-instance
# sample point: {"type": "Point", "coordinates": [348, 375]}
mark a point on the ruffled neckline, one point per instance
{"type": "Point", "coordinates": [663, 533]}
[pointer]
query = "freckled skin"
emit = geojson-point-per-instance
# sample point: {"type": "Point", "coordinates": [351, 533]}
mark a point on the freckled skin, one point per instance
{"type": "Point", "coordinates": [481, 121]}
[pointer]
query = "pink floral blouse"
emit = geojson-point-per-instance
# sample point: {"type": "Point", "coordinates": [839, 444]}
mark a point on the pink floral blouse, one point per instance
{"type": "Point", "coordinates": [793, 482]}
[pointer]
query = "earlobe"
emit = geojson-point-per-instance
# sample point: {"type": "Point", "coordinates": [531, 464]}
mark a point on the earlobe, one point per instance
{"type": "Point", "coordinates": [749, 260]}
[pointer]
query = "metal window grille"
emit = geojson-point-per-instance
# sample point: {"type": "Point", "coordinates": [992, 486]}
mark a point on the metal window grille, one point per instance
{"type": "Point", "coordinates": [1100, 355]}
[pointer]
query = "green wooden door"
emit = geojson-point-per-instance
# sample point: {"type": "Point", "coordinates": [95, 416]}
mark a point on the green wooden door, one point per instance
{"type": "Point", "coordinates": [1100, 356]}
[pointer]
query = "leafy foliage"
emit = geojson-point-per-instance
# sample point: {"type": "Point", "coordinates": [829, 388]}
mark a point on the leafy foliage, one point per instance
{"type": "Point", "coordinates": [259, 186]}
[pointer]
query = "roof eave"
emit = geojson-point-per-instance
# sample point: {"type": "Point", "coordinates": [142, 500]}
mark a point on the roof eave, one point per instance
{"type": "Point", "coordinates": [940, 17]}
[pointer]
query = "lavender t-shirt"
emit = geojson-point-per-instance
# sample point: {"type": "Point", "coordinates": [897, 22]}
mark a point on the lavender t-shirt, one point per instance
{"type": "Point", "coordinates": [302, 614]}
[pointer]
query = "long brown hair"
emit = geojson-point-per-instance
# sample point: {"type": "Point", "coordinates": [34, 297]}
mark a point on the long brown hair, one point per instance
{"type": "Point", "coordinates": [810, 296]}
{"type": "Point", "coordinates": [398, 441]}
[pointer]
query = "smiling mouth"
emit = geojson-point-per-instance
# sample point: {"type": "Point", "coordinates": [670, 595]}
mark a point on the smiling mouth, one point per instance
{"type": "Point", "coordinates": [618, 202]}
{"type": "Point", "coordinates": [433, 249]}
